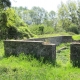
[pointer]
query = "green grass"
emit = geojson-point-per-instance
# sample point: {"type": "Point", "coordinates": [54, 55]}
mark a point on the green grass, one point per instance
{"type": "Point", "coordinates": [63, 55]}
{"type": "Point", "coordinates": [55, 34]}
{"type": "Point", "coordinates": [76, 37]}
{"type": "Point", "coordinates": [29, 68]}
{"type": "Point", "coordinates": [51, 35]}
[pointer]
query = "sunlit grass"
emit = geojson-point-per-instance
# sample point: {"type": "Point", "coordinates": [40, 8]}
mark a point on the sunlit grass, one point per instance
{"type": "Point", "coordinates": [29, 68]}
{"type": "Point", "coordinates": [76, 37]}
{"type": "Point", "coordinates": [53, 35]}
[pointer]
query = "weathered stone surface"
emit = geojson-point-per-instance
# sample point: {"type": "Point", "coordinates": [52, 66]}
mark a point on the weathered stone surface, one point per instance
{"type": "Point", "coordinates": [55, 40]}
{"type": "Point", "coordinates": [36, 48]}
{"type": "Point", "coordinates": [75, 54]}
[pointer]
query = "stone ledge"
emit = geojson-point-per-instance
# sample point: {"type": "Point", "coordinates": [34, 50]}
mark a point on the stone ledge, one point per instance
{"type": "Point", "coordinates": [55, 40]}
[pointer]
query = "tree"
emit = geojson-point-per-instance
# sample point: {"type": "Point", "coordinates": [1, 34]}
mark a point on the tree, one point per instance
{"type": "Point", "coordinates": [69, 16]}
{"type": "Point", "coordinates": [11, 26]}
{"type": "Point", "coordinates": [3, 18]}
{"type": "Point", "coordinates": [72, 8]}
{"type": "Point", "coordinates": [21, 11]}
{"type": "Point", "coordinates": [15, 27]}
{"type": "Point", "coordinates": [52, 17]}
{"type": "Point", "coordinates": [63, 16]}
{"type": "Point", "coordinates": [78, 14]}
{"type": "Point", "coordinates": [5, 3]}
{"type": "Point", "coordinates": [37, 15]}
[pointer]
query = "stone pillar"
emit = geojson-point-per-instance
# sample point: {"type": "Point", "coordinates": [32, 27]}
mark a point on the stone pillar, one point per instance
{"type": "Point", "coordinates": [75, 54]}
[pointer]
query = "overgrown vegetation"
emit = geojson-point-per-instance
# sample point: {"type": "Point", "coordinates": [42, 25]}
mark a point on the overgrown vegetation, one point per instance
{"type": "Point", "coordinates": [20, 22]}
{"type": "Point", "coordinates": [11, 25]}
{"type": "Point", "coordinates": [76, 37]}
{"type": "Point", "coordinates": [41, 29]}
{"type": "Point", "coordinates": [14, 27]}
{"type": "Point", "coordinates": [29, 68]}
{"type": "Point", "coordinates": [66, 19]}
{"type": "Point", "coordinates": [43, 24]}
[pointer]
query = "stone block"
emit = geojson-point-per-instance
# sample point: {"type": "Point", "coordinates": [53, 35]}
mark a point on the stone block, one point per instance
{"type": "Point", "coordinates": [75, 54]}
{"type": "Point", "coordinates": [36, 48]}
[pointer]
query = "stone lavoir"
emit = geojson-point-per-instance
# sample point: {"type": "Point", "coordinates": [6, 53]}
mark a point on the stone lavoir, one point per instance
{"type": "Point", "coordinates": [35, 48]}
{"type": "Point", "coordinates": [43, 47]}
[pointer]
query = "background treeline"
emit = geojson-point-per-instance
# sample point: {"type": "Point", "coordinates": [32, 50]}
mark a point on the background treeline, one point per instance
{"type": "Point", "coordinates": [67, 18]}
{"type": "Point", "coordinates": [21, 22]}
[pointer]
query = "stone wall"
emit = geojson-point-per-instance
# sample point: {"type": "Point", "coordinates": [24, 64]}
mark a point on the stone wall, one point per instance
{"type": "Point", "coordinates": [75, 54]}
{"type": "Point", "coordinates": [36, 48]}
{"type": "Point", "coordinates": [55, 40]}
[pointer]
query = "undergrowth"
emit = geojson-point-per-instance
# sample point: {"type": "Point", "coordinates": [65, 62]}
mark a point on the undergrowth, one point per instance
{"type": "Point", "coordinates": [29, 68]}
{"type": "Point", "coordinates": [76, 37]}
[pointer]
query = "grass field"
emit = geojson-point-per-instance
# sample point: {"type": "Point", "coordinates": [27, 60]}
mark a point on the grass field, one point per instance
{"type": "Point", "coordinates": [29, 68]}
{"type": "Point", "coordinates": [76, 37]}
{"type": "Point", "coordinates": [56, 34]}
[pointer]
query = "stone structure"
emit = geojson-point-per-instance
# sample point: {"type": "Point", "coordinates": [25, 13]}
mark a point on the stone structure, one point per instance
{"type": "Point", "coordinates": [55, 40]}
{"type": "Point", "coordinates": [36, 48]}
{"type": "Point", "coordinates": [42, 47]}
{"type": "Point", "coordinates": [75, 54]}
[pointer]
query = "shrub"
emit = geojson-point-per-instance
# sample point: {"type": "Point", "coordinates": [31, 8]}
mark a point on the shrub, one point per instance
{"type": "Point", "coordinates": [11, 25]}
{"type": "Point", "coordinates": [34, 29]}
{"type": "Point", "coordinates": [76, 37]}
{"type": "Point", "coordinates": [73, 28]}
{"type": "Point", "coordinates": [48, 30]}
{"type": "Point", "coordinates": [41, 29]}
{"type": "Point", "coordinates": [23, 32]}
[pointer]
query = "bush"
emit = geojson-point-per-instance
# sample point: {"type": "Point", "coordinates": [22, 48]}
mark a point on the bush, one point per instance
{"type": "Point", "coordinates": [76, 37]}
{"type": "Point", "coordinates": [23, 32]}
{"type": "Point", "coordinates": [41, 29]}
{"type": "Point", "coordinates": [11, 25]}
{"type": "Point", "coordinates": [34, 29]}
{"type": "Point", "coordinates": [73, 28]}
{"type": "Point", "coordinates": [48, 30]}
{"type": "Point", "coordinates": [59, 29]}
